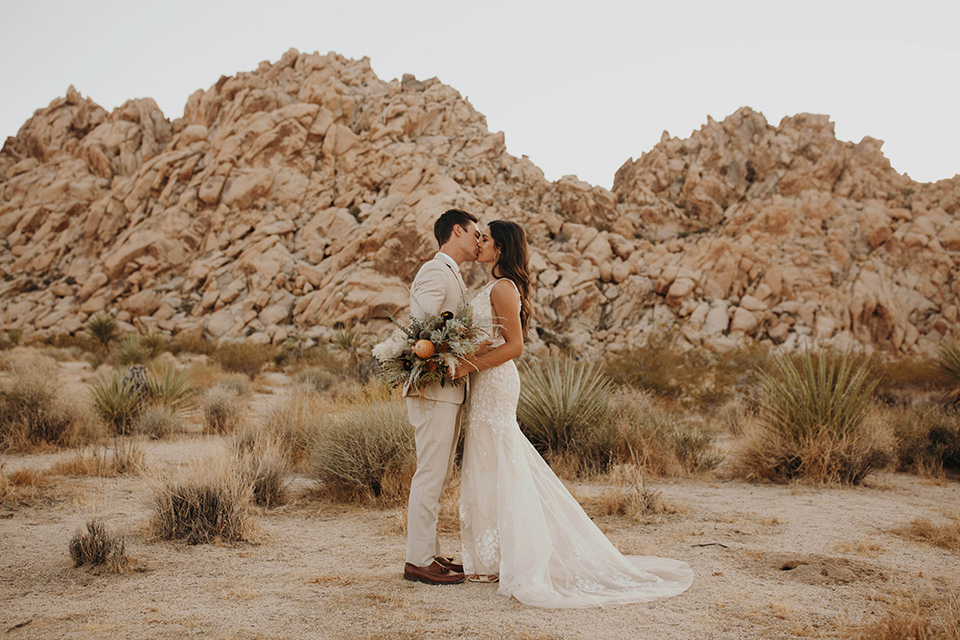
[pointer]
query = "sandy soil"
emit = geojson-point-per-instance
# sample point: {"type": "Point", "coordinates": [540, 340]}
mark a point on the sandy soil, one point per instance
{"type": "Point", "coordinates": [770, 561]}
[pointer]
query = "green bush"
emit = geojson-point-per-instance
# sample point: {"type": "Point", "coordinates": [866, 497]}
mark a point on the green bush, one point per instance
{"type": "Point", "coordinates": [129, 351]}
{"type": "Point", "coordinates": [119, 404]}
{"type": "Point", "coordinates": [364, 451]}
{"type": "Point", "coordinates": [560, 400]}
{"type": "Point", "coordinates": [171, 388]}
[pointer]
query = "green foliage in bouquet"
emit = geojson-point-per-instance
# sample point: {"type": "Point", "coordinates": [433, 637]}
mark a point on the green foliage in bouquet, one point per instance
{"type": "Point", "coordinates": [423, 353]}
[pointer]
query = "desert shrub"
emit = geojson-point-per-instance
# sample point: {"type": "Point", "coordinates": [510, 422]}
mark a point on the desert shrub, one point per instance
{"type": "Point", "coordinates": [158, 422]}
{"type": "Point", "coordinates": [902, 381]}
{"type": "Point", "coordinates": [120, 400]}
{"type": "Point", "coordinates": [191, 343]}
{"type": "Point", "coordinates": [913, 618]}
{"type": "Point", "coordinates": [264, 466]}
{"type": "Point", "coordinates": [316, 379]}
{"type": "Point", "coordinates": [242, 357]}
{"type": "Point", "coordinates": [34, 410]}
{"type": "Point", "coordinates": [945, 536]}
{"type": "Point", "coordinates": [212, 504]}
{"type": "Point", "coordinates": [126, 456]}
{"type": "Point", "coordinates": [236, 382]}
{"type": "Point", "coordinates": [290, 421]}
{"type": "Point", "coordinates": [222, 410]}
{"type": "Point", "coordinates": [658, 366]}
{"type": "Point", "coordinates": [97, 546]}
{"type": "Point", "coordinates": [103, 330]}
{"type": "Point", "coordinates": [560, 400]}
{"type": "Point", "coordinates": [658, 440]}
{"type": "Point", "coordinates": [928, 439]}
{"type": "Point", "coordinates": [25, 487]}
{"type": "Point", "coordinates": [363, 451]}
{"type": "Point", "coordinates": [812, 422]}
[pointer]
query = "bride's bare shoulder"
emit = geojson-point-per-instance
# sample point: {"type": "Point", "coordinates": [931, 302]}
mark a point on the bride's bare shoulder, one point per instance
{"type": "Point", "coordinates": [504, 289]}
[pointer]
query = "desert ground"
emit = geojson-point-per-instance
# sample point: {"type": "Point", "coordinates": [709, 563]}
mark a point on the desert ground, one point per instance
{"type": "Point", "coordinates": [771, 561]}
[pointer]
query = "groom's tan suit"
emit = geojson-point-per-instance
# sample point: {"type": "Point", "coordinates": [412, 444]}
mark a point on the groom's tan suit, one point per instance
{"type": "Point", "coordinates": [434, 414]}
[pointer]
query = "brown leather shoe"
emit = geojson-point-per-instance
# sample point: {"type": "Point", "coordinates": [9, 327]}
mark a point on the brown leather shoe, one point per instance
{"type": "Point", "coordinates": [436, 573]}
{"type": "Point", "coordinates": [448, 563]}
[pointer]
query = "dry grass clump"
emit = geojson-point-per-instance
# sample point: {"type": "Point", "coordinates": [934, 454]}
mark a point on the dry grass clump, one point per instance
{"type": "Point", "coordinates": [158, 422]}
{"type": "Point", "coordinates": [363, 451]}
{"type": "Point", "coordinates": [812, 423]}
{"type": "Point", "coordinates": [928, 439]}
{"type": "Point", "coordinates": [316, 379]}
{"type": "Point", "coordinates": [291, 418]}
{"type": "Point", "coordinates": [264, 466]}
{"type": "Point", "coordinates": [35, 411]}
{"type": "Point", "coordinates": [223, 410]}
{"type": "Point", "coordinates": [25, 487]}
{"type": "Point", "coordinates": [138, 349]}
{"type": "Point", "coordinates": [629, 497]}
{"type": "Point", "coordinates": [945, 536]}
{"type": "Point", "coordinates": [902, 381]}
{"type": "Point", "coordinates": [913, 619]}
{"type": "Point", "coordinates": [126, 456]}
{"type": "Point", "coordinates": [242, 357]}
{"type": "Point", "coordinates": [213, 504]}
{"type": "Point", "coordinates": [98, 547]}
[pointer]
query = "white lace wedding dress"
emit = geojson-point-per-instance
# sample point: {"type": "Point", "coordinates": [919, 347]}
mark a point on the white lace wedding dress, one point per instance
{"type": "Point", "coordinates": [519, 521]}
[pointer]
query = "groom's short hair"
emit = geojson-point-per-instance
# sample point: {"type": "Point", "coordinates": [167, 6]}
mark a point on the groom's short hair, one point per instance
{"type": "Point", "coordinates": [444, 225]}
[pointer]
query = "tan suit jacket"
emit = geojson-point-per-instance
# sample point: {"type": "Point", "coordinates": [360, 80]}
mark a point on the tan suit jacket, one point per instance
{"type": "Point", "coordinates": [437, 287]}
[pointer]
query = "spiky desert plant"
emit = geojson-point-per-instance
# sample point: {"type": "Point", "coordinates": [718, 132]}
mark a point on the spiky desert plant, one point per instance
{"type": "Point", "coordinates": [812, 414]}
{"type": "Point", "coordinates": [129, 350]}
{"type": "Point", "coordinates": [362, 451]}
{"type": "Point", "coordinates": [97, 546]}
{"type": "Point", "coordinates": [169, 387]}
{"type": "Point", "coordinates": [102, 327]}
{"type": "Point", "coordinates": [154, 343]}
{"type": "Point", "coordinates": [823, 397]}
{"type": "Point", "coordinates": [353, 345]}
{"type": "Point", "coordinates": [118, 404]}
{"type": "Point", "coordinates": [948, 360]}
{"type": "Point", "coordinates": [559, 399]}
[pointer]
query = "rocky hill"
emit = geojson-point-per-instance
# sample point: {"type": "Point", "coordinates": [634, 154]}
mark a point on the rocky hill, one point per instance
{"type": "Point", "coordinates": [303, 194]}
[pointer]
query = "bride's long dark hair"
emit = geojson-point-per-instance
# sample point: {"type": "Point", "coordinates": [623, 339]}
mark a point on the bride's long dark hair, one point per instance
{"type": "Point", "coordinates": [511, 240]}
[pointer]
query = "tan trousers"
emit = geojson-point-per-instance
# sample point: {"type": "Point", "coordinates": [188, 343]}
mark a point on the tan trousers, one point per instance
{"type": "Point", "coordinates": [436, 427]}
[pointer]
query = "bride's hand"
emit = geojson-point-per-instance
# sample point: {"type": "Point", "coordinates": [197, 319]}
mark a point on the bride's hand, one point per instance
{"type": "Point", "coordinates": [482, 348]}
{"type": "Point", "coordinates": [461, 369]}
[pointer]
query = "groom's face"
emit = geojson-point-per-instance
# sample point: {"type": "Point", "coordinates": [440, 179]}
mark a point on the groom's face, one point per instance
{"type": "Point", "coordinates": [469, 241]}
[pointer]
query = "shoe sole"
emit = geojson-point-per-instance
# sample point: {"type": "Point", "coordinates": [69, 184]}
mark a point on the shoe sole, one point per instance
{"type": "Point", "coordinates": [425, 581]}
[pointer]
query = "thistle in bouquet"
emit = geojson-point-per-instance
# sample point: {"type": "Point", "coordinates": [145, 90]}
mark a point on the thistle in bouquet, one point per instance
{"type": "Point", "coordinates": [427, 350]}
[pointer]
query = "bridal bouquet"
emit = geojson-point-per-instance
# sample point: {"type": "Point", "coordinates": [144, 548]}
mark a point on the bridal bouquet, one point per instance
{"type": "Point", "coordinates": [426, 351]}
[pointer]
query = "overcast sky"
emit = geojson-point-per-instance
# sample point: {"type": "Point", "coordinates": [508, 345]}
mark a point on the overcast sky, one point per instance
{"type": "Point", "coordinates": [579, 87]}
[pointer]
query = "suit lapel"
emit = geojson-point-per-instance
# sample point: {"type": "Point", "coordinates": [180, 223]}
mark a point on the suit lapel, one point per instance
{"type": "Point", "coordinates": [456, 272]}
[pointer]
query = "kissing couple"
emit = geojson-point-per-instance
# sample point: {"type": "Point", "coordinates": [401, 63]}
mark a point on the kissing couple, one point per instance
{"type": "Point", "coordinates": [519, 526]}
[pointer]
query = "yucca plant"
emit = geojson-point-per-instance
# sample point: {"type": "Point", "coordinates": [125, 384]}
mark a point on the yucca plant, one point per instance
{"type": "Point", "coordinates": [353, 345]}
{"type": "Point", "coordinates": [559, 399]}
{"type": "Point", "coordinates": [811, 422]}
{"type": "Point", "coordinates": [825, 396]}
{"type": "Point", "coordinates": [948, 360]}
{"type": "Point", "coordinates": [154, 343]}
{"type": "Point", "coordinates": [171, 388]}
{"type": "Point", "coordinates": [129, 350]}
{"type": "Point", "coordinates": [103, 329]}
{"type": "Point", "coordinates": [118, 404]}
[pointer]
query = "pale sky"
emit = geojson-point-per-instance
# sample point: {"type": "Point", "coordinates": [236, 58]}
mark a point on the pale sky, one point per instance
{"type": "Point", "coordinates": [579, 87]}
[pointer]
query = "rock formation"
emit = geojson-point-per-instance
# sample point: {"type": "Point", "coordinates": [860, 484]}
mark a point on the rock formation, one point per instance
{"type": "Point", "coordinates": [303, 194]}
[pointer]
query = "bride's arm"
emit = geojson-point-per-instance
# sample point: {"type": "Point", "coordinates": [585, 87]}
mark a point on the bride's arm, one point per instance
{"type": "Point", "coordinates": [506, 311]}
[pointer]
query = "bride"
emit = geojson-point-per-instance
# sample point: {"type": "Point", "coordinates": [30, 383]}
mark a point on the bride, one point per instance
{"type": "Point", "coordinates": [519, 525]}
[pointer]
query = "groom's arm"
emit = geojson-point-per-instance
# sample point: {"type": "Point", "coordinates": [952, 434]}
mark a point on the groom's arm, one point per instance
{"type": "Point", "coordinates": [428, 291]}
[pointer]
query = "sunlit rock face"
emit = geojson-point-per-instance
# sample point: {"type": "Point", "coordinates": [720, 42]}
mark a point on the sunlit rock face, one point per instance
{"type": "Point", "coordinates": [303, 194]}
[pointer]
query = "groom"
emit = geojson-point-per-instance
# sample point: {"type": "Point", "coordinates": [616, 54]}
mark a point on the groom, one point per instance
{"type": "Point", "coordinates": [435, 411]}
